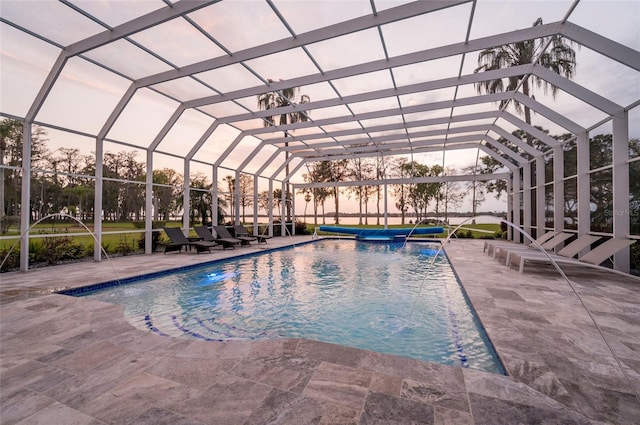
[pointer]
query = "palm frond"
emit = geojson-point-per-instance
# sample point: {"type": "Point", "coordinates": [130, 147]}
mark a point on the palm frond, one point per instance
{"type": "Point", "coordinates": [559, 58]}
{"type": "Point", "coordinates": [283, 98]}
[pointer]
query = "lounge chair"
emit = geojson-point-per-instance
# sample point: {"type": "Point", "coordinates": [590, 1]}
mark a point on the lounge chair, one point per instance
{"type": "Point", "coordinates": [179, 240]}
{"type": "Point", "coordinates": [224, 233]}
{"type": "Point", "coordinates": [593, 258]}
{"type": "Point", "coordinates": [549, 245]}
{"type": "Point", "coordinates": [211, 236]}
{"type": "Point", "coordinates": [490, 245]}
{"type": "Point", "coordinates": [569, 251]}
{"type": "Point", "coordinates": [241, 231]}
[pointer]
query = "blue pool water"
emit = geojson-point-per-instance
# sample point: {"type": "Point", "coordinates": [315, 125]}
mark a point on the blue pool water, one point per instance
{"type": "Point", "coordinates": [376, 296]}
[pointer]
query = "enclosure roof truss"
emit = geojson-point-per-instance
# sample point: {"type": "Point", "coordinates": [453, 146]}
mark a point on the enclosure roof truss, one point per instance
{"type": "Point", "coordinates": [365, 107]}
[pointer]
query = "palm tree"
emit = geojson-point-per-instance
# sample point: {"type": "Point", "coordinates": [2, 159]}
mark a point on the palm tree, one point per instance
{"type": "Point", "coordinates": [280, 99]}
{"type": "Point", "coordinates": [558, 57]}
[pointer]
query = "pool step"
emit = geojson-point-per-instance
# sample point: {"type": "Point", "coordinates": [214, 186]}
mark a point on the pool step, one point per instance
{"type": "Point", "coordinates": [202, 329]}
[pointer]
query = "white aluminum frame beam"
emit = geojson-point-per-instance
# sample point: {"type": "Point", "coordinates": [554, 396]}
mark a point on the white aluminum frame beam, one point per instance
{"type": "Point", "coordinates": [343, 28]}
{"type": "Point", "coordinates": [620, 183]}
{"type": "Point", "coordinates": [606, 47]}
{"type": "Point", "coordinates": [133, 26]}
{"type": "Point", "coordinates": [432, 179]}
{"type": "Point", "coordinates": [402, 151]}
{"type": "Point", "coordinates": [387, 127]}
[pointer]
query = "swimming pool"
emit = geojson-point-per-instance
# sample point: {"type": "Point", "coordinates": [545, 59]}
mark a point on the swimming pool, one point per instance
{"type": "Point", "coordinates": [384, 297]}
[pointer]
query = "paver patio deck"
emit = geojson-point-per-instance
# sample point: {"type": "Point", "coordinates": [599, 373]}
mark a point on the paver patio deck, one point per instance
{"type": "Point", "coordinates": [76, 361]}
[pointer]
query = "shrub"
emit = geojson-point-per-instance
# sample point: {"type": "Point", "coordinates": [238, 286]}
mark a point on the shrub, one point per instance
{"type": "Point", "coordinates": [58, 248]}
{"type": "Point", "coordinates": [468, 234]}
{"type": "Point", "coordinates": [124, 248]}
{"type": "Point", "coordinates": [301, 228]}
{"type": "Point", "coordinates": [156, 224]}
{"type": "Point", "coordinates": [52, 250]}
{"type": "Point", "coordinates": [11, 260]}
{"type": "Point", "coordinates": [8, 221]}
{"type": "Point", "coordinates": [155, 241]}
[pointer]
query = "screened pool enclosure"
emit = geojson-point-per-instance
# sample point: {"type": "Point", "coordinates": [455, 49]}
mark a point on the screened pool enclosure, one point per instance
{"type": "Point", "coordinates": [241, 103]}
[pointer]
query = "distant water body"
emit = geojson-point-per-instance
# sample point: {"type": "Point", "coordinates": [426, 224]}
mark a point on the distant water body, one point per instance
{"type": "Point", "coordinates": [397, 220]}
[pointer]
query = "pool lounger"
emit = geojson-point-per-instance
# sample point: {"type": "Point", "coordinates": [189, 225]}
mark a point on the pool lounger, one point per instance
{"type": "Point", "coordinates": [593, 258]}
{"type": "Point", "coordinates": [210, 236]}
{"type": "Point", "coordinates": [490, 245]}
{"type": "Point", "coordinates": [582, 243]}
{"type": "Point", "coordinates": [549, 245]}
{"type": "Point", "coordinates": [178, 240]}
{"type": "Point", "coordinates": [241, 231]}
{"type": "Point", "coordinates": [224, 233]}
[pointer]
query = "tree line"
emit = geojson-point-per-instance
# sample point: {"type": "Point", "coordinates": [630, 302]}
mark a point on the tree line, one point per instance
{"type": "Point", "coordinates": [63, 180]}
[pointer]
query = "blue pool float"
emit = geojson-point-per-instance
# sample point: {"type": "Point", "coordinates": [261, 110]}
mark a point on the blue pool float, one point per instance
{"type": "Point", "coordinates": [382, 234]}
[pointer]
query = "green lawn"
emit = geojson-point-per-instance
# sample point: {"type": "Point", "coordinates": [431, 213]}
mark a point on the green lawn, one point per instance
{"type": "Point", "coordinates": [65, 227]}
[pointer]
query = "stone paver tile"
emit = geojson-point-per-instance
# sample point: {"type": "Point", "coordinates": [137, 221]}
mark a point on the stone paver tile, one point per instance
{"type": "Point", "coordinates": [27, 374]}
{"type": "Point", "coordinates": [171, 347]}
{"type": "Point", "coordinates": [157, 416]}
{"type": "Point", "coordinates": [209, 349]}
{"type": "Point", "coordinates": [110, 328]}
{"type": "Point", "coordinates": [444, 416]}
{"type": "Point", "coordinates": [332, 353]}
{"type": "Point", "coordinates": [51, 357]}
{"type": "Point", "coordinates": [437, 395]}
{"type": "Point", "coordinates": [386, 384]}
{"type": "Point", "coordinates": [9, 362]}
{"type": "Point", "coordinates": [16, 345]}
{"type": "Point", "coordinates": [19, 405]}
{"type": "Point", "coordinates": [80, 391]}
{"type": "Point", "coordinates": [137, 341]}
{"type": "Point", "coordinates": [266, 349]}
{"type": "Point", "coordinates": [145, 385]}
{"type": "Point", "coordinates": [506, 298]}
{"type": "Point", "coordinates": [335, 414]}
{"type": "Point", "coordinates": [294, 360]}
{"type": "Point", "coordinates": [58, 413]}
{"type": "Point", "coordinates": [505, 388]}
{"type": "Point", "coordinates": [339, 384]}
{"type": "Point", "coordinates": [605, 376]}
{"type": "Point", "coordinates": [400, 366]}
{"type": "Point", "coordinates": [539, 376]}
{"type": "Point", "coordinates": [524, 316]}
{"type": "Point", "coordinates": [491, 411]}
{"type": "Point", "coordinates": [80, 340]}
{"type": "Point", "coordinates": [382, 409]}
{"type": "Point", "coordinates": [130, 398]}
{"type": "Point", "coordinates": [50, 379]}
{"type": "Point", "coordinates": [90, 357]}
{"type": "Point", "coordinates": [628, 409]}
{"type": "Point", "coordinates": [286, 408]}
{"type": "Point", "coordinates": [230, 401]}
{"type": "Point", "coordinates": [198, 373]}
{"type": "Point", "coordinates": [280, 375]}
{"type": "Point", "coordinates": [593, 401]}
{"type": "Point", "coordinates": [112, 409]}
